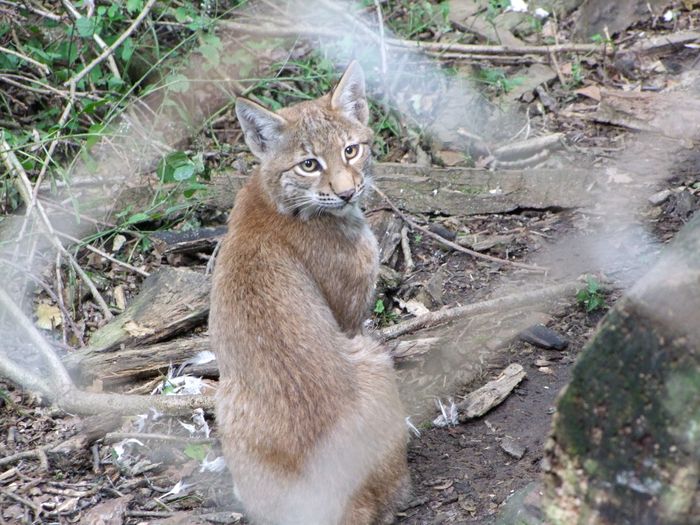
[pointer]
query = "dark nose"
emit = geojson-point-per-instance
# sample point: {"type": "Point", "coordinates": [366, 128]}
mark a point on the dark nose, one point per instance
{"type": "Point", "coordinates": [347, 194]}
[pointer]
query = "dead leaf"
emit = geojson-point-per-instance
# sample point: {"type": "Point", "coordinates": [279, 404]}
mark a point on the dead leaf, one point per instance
{"type": "Point", "coordinates": [118, 242]}
{"type": "Point", "coordinates": [591, 91]}
{"type": "Point", "coordinates": [48, 316]}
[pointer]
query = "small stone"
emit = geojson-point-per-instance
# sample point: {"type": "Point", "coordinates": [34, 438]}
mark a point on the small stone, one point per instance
{"type": "Point", "coordinates": [660, 197]}
{"type": "Point", "coordinates": [543, 337]}
{"type": "Point", "coordinates": [511, 447]}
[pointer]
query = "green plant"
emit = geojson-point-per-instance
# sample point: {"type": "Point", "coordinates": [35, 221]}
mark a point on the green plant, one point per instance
{"type": "Point", "coordinates": [498, 80]}
{"type": "Point", "coordinates": [383, 316]}
{"type": "Point", "coordinates": [495, 8]}
{"type": "Point", "coordinates": [417, 16]}
{"type": "Point", "coordinates": [591, 297]}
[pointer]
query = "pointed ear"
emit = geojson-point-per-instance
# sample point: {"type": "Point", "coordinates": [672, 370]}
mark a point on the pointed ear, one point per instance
{"type": "Point", "coordinates": [260, 126]}
{"type": "Point", "coordinates": [349, 95]}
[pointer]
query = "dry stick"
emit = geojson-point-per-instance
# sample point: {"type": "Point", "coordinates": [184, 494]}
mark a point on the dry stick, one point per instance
{"type": "Point", "coordinates": [406, 249]}
{"type": "Point", "coordinates": [449, 314]}
{"type": "Point", "coordinates": [499, 50]}
{"type": "Point", "coordinates": [107, 256]}
{"type": "Point", "coordinates": [35, 508]}
{"type": "Point", "coordinates": [96, 37]}
{"type": "Point", "coordinates": [27, 6]}
{"type": "Point", "coordinates": [42, 67]}
{"type": "Point", "coordinates": [15, 167]}
{"type": "Point", "coordinates": [453, 245]}
{"type": "Point", "coordinates": [59, 376]}
{"type": "Point", "coordinates": [108, 52]}
{"type": "Point", "coordinates": [114, 437]}
{"type": "Point", "coordinates": [468, 49]}
{"type": "Point", "coordinates": [64, 393]}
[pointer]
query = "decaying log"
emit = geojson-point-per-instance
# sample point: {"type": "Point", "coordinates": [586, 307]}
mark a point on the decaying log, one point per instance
{"type": "Point", "coordinates": [456, 191]}
{"type": "Point", "coordinates": [128, 364]}
{"type": "Point", "coordinates": [172, 301]}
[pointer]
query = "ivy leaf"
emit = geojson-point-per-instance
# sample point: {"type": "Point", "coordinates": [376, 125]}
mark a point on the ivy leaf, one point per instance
{"type": "Point", "coordinates": [128, 49]}
{"type": "Point", "coordinates": [178, 83]}
{"type": "Point", "coordinates": [85, 26]}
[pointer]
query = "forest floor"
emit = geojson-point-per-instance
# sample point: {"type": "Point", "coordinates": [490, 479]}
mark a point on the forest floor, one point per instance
{"type": "Point", "coordinates": [461, 473]}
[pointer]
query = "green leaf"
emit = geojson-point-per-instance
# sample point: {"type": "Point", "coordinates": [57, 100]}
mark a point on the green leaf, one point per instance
{"type": "Point", "coordinates": [134, 5]}
{"type": "Point", "coordinates": [85, 26]}
{"type": "Point", "coordinates": [183, 172]}
{"type": "Point", "coordinates": [128, 49]}
{"type": "Point", "coordinates": [196, 451]}
{"type": "Point", "coordinates": [379, 307]}
{"type": "Point", "coordinates": [138, 217]}
{"type": "Point", "coordinates": [113, 10]}
{"type": "Point", "coordinates": [210, 54]}
{"type": "Point", "coordinates": [94, 134]}
{"type": "Point", "coordinates": [192, 188]}
{"type": "Point", "coordinates": [183, 15]}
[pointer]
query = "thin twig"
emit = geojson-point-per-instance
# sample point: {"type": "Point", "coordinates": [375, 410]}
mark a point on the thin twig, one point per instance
{"type": "Point", "coordinates": [27, 6]}
{"type": "Point", "coordinates": [96, 37]}
{"type": "Point", "coordinates": [382, 43]}
{"type": "Point", "coordinates": [409, 265]}
{"type": "Point", "coordinates": [107, 52]}
{"type": "Point", "coordinates": [36, 509]}
{"type": "Point", "coordinates": [450, 314]}
{"type": "Point", "coordinates": [107, 256]}
{"type": "Point", "coordinates": [115, 437]}
{"type": "Point", "coordinates": [454, 246]}
{"type": "Point", "coordinates": [42, 67]}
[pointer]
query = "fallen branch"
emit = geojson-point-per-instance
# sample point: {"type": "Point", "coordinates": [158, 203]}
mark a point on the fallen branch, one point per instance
{"type": "Point", "coordinates": [453, 245]}
{"type": "Point", "coordinates": [450, 314]}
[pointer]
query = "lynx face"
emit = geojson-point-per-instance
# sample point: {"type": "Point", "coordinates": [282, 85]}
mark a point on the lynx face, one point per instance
{"type": "Point", "coordinates": [315, 156]}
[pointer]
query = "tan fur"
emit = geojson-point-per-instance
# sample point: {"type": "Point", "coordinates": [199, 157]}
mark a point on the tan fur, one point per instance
{"type": "Point", "coordinates": [309, 416]}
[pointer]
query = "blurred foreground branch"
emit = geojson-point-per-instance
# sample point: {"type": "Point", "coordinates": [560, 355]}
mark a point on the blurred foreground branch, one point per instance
{"type": "Point", "coordinates": [59, 387]}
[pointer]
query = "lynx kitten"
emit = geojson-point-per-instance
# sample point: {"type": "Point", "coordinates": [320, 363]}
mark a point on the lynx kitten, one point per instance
{"type": "Point", "coordinates": [310, 419]}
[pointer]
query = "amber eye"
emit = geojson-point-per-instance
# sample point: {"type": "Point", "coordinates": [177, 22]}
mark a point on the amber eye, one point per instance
{"type": "Point", "coordinates": [309, 165]}
{"type": "Point", "coordinates": [352, 151]}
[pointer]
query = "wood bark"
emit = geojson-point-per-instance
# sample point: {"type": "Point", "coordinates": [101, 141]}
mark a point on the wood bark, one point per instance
{"type": "Point", "coordinates": [625, 440]}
